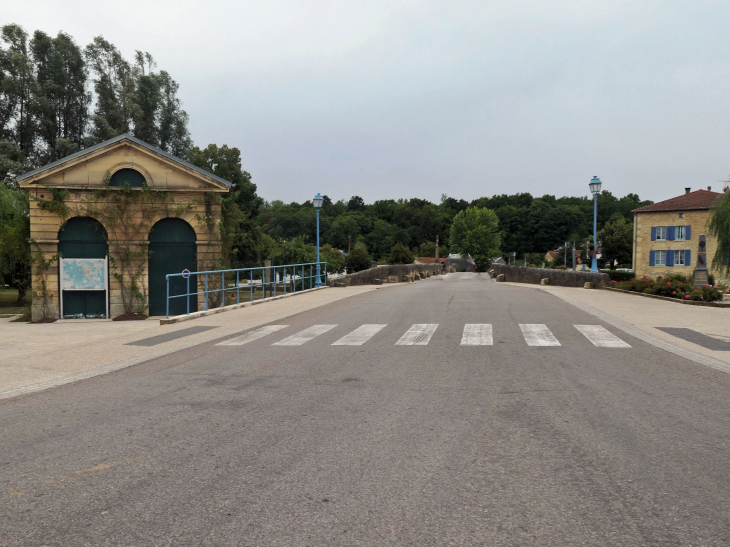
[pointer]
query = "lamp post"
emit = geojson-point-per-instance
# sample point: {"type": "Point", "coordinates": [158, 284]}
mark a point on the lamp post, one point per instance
{"type": "Point", "coordinates": [565, 258]}
{"type": "Point", "coordinates": [572, 252]}
{"type": "Point", "coordinates": [317, 202]}
{"type": "Point", "coordinates": [595, 186]}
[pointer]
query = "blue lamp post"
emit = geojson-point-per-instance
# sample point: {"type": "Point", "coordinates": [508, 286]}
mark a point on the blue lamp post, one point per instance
{"type": "Point", "coordinates": [317, 202]}
{"type": "Point", "coordinates": [595, 186]}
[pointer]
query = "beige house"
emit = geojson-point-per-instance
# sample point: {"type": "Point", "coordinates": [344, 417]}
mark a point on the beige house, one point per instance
{"type": "Point", "coordinates": [666, 234]}
{"type": "Point", "coordinates": [147, 212]}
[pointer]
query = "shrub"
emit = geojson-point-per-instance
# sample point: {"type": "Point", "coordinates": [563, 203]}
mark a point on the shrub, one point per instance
{"type": "Point", "coordinates": [358, 260]}
{"type": "Point", "coordinates": [400, 254]}
{"type": "Point", "coordinates": [672, 286]}
{"type": "Point", "coordinates": [615, 275]}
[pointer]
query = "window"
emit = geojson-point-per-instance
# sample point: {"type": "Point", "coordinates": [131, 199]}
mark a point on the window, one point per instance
{"type": "Point", "coordinates": [679, 234]}
{"type": "Point", "coordinates": [679, 258]}
{"type": "Point", "coordinates": [131, 177]}
{"type": "Point", "coordinates": [661, 232]}
{"type": "Point", "coordinates": [681, 215]}
{"type": "Point", "coordinates": [660, 258]}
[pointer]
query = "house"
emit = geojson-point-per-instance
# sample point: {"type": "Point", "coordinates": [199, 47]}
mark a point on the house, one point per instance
{"type": "Point", "coordinates": [666, 234]}
{"type": "Point", "coordinates": [144, 212]}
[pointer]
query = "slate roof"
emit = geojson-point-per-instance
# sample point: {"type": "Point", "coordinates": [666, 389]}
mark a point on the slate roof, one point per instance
{"type": "Point", "coordinates": [118, 138]}
{"type": "Point", "coordinates": [699, 199]}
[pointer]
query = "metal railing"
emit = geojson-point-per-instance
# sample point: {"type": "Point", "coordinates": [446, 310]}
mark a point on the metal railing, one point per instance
{"type": "Point", "coordinates": [259, 283]}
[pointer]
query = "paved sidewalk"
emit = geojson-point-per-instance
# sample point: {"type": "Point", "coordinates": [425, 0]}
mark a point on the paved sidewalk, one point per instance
{"type": "Point", "coordinates": [650, 315]}
{"type": "Point", "coordinates": [35, 357]}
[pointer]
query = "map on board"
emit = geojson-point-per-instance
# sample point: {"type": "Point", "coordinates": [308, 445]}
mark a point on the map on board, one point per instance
{"type": "Point", "coordinates": [84, 274]}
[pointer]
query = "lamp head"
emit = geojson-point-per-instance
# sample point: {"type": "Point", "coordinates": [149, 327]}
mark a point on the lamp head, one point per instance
{"type": "Point", "coordinates": [595, 185]}
{"type": "Point", "coordinates": [318, 201]}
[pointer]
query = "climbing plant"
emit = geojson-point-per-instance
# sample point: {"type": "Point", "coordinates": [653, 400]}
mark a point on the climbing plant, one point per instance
{"type": "Point", "coordinates": [128, 215]}
{"type": "Point", "coordinates": [41, 296]}
{"type": "Point", "coordinates": [210, 254]}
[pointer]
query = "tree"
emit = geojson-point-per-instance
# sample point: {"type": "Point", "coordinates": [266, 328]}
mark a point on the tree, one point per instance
{"type": "Point", "coordinates": [617, 240]}
{"type": "Point", "coordinates": [358, 260]}
{"type": "Point", "coordinates": [334, 259]}
{"type": "Point", "coordinates": [14, 236]}
{"type": "Point", "coordinates": [61, 99]}
{"type": "Point", "coordinates": [719, 227]}
{"type": "Point", "coordinates": [400, 254]}
{"type": "Point", "coordinates": [296, 251]}
{"type": "Point", "coordinates": [240, 235]}
{"type": "Point", "coordinates": [475, 231]}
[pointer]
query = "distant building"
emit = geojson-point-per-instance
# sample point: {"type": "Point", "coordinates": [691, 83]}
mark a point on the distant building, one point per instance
{"type": "Point", "coordinates": [666, 234]}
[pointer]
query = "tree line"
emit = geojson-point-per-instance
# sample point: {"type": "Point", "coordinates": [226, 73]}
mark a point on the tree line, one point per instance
{"type": "Point", "coordinates": [527, 225]}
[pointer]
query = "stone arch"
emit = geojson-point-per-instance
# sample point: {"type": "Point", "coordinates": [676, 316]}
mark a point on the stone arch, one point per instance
{"type": "Point", "coordinates": [83, 237]}
{"type": "Point", "coordinates": [138, 176]}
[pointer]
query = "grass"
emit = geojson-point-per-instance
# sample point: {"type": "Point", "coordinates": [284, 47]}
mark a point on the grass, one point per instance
{"type": "Point", "coordinates": [8, 297]}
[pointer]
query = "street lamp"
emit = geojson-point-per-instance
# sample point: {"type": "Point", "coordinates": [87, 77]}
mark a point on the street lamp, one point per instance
{"type": "Point", "coordinates": [595, 186]}
{"type": "Point", "coordinates": [317, 202]}
{"type": "Point", "coordinates": [565, 259]}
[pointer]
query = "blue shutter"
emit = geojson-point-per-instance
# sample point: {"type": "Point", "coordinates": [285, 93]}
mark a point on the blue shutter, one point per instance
{"type": "Point", "coordinates": [670, 233]}
{"type": "Point", "coordinates": [687, 232]}
{"type": "Point", "coordinates": [687, 257]}
{"type": "Point", "coordinates": [651, 256]}
{"type": "Point", "coordinates": [670, 258]}
{"type": "Point", "coordinates": [653, 233]}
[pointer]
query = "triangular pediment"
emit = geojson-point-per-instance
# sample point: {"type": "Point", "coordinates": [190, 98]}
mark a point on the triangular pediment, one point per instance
{"type": "Point", "coordinates": [90, 167]}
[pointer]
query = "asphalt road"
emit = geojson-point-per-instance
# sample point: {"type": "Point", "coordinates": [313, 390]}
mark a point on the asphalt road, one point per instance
{"type": "Point", "coordinates": [273, 444]}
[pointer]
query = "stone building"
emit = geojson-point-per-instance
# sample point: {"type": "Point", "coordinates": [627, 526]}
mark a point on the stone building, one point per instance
{"type": "Point", "coordinates": [150, 212]}
{"type": "Point", "coordinates": [666, 234]}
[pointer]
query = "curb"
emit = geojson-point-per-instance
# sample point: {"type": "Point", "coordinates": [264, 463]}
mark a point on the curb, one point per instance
{"type": "Point", "coordinates": [669, 299]}
{"type": "Point", "coordinates": [204, 313]}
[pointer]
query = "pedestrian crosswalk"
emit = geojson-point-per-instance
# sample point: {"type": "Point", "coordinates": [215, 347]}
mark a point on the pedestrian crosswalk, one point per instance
{"type": "Point", "coordinates": [420, 334]}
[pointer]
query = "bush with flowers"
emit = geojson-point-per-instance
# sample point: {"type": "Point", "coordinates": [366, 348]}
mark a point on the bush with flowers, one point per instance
{"type": "Point", "coordinates": [672, 286]}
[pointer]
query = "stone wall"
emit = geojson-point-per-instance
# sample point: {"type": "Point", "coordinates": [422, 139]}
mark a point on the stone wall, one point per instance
{"type": "Point", "coordinates": [562, 278]}
{"type": "Point", "coordinates": [393, 273]}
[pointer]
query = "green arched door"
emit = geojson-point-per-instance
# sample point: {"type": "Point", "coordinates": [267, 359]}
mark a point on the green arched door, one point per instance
{"type": "Point", "coordinates": [83, 237]}
{"type": "Point", "coordinates": [172, 250]}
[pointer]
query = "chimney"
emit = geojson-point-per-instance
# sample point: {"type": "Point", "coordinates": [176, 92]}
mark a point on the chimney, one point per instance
{"type": "Point", "coordinates": [686, 190]}
{"type": "Point", "coordinates": [709, 188]}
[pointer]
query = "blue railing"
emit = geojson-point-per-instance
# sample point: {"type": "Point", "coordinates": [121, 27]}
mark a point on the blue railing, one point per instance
{"type": "Point", "coordinates": [259, 283]}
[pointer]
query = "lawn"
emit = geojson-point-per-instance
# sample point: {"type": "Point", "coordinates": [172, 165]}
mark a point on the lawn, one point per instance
{"type": "Point", "coordinates": [8, 297]}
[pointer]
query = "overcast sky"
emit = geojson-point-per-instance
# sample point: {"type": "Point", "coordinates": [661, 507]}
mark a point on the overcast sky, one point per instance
{"type": "Point", "coordinates": [387, 99]}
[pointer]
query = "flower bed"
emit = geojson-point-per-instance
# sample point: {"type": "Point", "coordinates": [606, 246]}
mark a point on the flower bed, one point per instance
{"type": "Point", "coordinates": [672, 286]}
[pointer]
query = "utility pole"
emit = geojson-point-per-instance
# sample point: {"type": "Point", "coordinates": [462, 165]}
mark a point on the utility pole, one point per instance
{"type": "Point", "coordinates": [437, 248]}
{"type": "Point", "coordinates": [349, 244]}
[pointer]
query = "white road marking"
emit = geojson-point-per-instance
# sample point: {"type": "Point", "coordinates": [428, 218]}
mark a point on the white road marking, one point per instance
{"type": "Point", "coordinates": [418, 335]}
{"type": "Point", "coordinates": [538, 335]}
{"type": "Point", "coordinates": [252, 335]}
{"type": "Point", "coordinates": [600, 337]}
{"type": "Point", "coordinates": [360, 335]}
{"type": "Point", "coordinates": [304, 336]}
{"type": "Point", "coordinates": [476, 334]}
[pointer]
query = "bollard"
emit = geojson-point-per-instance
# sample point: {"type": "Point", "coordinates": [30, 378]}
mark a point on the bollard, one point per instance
{"type": "Point", "coordinates": [544, 281]}
{"type": "Point", "coordinates": [589, 284]}
{"type": "Point", "coordinates": [500, 278]}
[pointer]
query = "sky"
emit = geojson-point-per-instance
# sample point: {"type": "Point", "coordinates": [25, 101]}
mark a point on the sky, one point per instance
{"type": "Point", "coordinates": [400, 99]}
